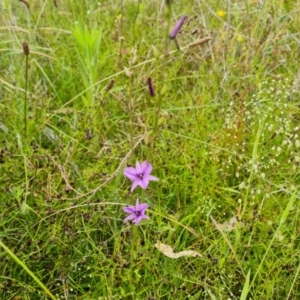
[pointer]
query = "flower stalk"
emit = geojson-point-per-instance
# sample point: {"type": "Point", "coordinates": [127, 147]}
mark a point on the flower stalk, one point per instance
{"type": "Point", "coordinates": [26, 52]}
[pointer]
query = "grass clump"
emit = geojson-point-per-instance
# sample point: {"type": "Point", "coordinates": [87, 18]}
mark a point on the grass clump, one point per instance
{"type": "Point", "coordinates": [220, 126]}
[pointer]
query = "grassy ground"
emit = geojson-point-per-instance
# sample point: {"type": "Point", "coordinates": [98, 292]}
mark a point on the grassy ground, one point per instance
{"type": "Point", "coordinates": [222, 134]}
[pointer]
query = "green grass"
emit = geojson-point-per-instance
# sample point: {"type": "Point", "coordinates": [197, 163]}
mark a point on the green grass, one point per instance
{"type": "Point", "coordinates": [222, 134]}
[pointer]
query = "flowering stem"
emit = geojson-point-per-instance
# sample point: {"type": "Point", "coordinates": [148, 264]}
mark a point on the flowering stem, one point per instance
{"type": "Point", "coordinates": [158, 104]}
{"type": "Point", "coordinates": [26, 53]}
{"type": "Point", "coordinates": [156, 115]}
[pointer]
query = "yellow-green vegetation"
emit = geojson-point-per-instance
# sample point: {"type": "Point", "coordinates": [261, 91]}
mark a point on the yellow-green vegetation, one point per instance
{"type": "Point", "coordinates": [222, 133]}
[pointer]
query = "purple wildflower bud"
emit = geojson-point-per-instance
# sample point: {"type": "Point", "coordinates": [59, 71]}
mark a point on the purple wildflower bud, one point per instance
{"type": "Point", "coordinates": [151, 87]}
{"type": "Point", "coordinates": [177, 27]}
{"type": "Point", "coordinates": [140, 175]}
{"type": "Point", "coordinates": [136, 213]}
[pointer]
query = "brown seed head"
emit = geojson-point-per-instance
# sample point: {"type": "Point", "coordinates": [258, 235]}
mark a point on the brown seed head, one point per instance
{"type": "Point", "coordinates": [25, 48]}
{"type": "Point", "coordinates": [110, 85]}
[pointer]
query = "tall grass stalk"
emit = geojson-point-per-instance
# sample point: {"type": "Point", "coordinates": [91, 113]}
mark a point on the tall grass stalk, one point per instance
{"type": "Point", "coordinates": [26, 52]}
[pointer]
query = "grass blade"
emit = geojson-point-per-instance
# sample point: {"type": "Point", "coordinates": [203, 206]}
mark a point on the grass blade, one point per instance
{"type": "Point", "coordinates": [246, 287]}
{"type": "Point", "coordinates": [22, 264]}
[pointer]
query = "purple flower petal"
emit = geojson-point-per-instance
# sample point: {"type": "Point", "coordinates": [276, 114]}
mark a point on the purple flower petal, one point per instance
{"type": "Point", "coordinates": [177, 27]}
{"type": "Point", "coordinates": [138, 168]}
{"type": "Point", "coordinates": [130, 217]}
{"type": "Point", "coordinates": [134, 185]}
{"type": "Point", "coordinates": [129, 209]}
{"type": "Point", "coordinates": [130, 172]}
{"type": "Point", "coordinates": [137, 204]}
{"type": "Point", "coordinates": [139, 219]}
{"type": "Point", "coordinates": [144, 182]}
{"type": "Point", "coordinates": [150, 177]}
{"type": "Point", "coordinates": [143, 207]}
{"type": "Point", "coordinates": [146, 167]}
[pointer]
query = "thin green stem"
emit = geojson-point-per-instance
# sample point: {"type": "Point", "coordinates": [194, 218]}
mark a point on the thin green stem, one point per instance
{"type": "Point", "coordinates": [22, 264]}
{"type": "Point", "coordinates": [25, 97]}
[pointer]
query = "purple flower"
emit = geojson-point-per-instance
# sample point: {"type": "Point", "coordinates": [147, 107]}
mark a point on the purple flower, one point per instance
{"type": "Point", "coordinates": [140, 175]}
{"type": "Point", "coordinates": [136, 213]}
{"type": "Point", "coordinates": [177, 27]}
